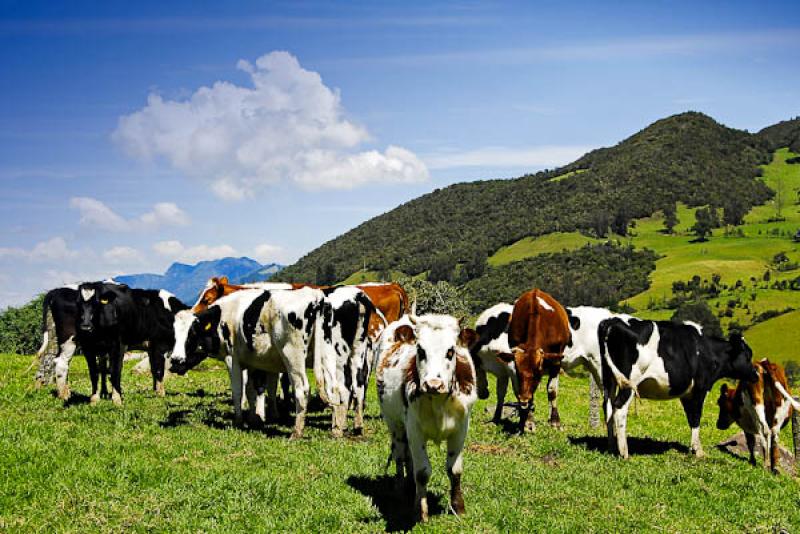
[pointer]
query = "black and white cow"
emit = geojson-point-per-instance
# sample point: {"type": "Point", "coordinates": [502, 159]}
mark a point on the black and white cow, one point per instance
{"type": "Point", "coordinates": [116, 317]}
{"type": "Point", "coordinates": [664, 360]}
{"type": "Point", "coordinates": [256, 329]}
{"type": "Point", "coordinates": [342, 341]}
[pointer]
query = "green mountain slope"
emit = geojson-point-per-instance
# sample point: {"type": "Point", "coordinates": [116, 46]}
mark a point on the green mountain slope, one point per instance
{"type": "Point", "coordinates": [687, 157]}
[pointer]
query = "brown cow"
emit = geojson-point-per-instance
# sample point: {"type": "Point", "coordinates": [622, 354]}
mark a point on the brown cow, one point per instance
{"type": "Point", "coordinates": [760, 408]}
{"type": "Point", "coordinates": [218, 287]}
{"type": "Point", "coordinates": [538, 332]}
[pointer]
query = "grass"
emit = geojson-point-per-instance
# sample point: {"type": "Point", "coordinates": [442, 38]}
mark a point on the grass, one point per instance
{"type": "Point", "coordinates": [531, 246]}
{"type": "Point", "coordinates": [176, 464]}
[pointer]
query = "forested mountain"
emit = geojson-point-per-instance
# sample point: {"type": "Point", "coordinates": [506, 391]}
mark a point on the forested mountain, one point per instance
{"type": "Point", "coordinates": [688, 158]}
{"type": "Point", "coordinates": [783, 134]}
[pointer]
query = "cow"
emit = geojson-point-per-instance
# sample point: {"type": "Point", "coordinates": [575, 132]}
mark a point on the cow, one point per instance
{"type": "Point", "coordinates": [490, 341]}
{"type": "Point", "coordinates": [116, 318]}
{"type": "Point", "coordinates": [218, 287]}
{"type": "Point", "coordinates": [269, 330]}
{"type": "Point", "coordinates": [426, 388]}
{"type": "Point", "coordinates": [761, 408]}
{"type": "Point", "coordinates": [664, 360]}
{"type": "Point", "coordinates": [538, 333]}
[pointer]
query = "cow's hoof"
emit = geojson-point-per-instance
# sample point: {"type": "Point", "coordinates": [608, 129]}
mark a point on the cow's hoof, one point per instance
{"type": "Point", "coordinates": [160, 389]}
{"type": "Point", "coordinates": [530, 426]}
{"type": "Point", "coordinates": [94, 399]}
{"type": "Point", "coordinates": [64, 394]}
{"type": "Point", "coordinates": [337, 433]}
{"type": "Point", "coordinates": [556, 425]}
{"type": "Point", "coordinates": [297, 434]}
{"type": "Point", "coordinates": [358, 431]}
{"type": "Point", "coordinates": [116, 398]}
{"type": "Point", "coordinates": [699, 454]}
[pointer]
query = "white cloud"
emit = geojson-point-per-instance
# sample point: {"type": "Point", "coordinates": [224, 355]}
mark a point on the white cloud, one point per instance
{"type": "Point", "coordinates": [96, 214]}
{"type": "Point", "coordinates": [121, 255]}
{"type": "Point", "coordinates": [54, 249]}
{"type": "Point", "coordinates": [532, 157]}
{"type": "Point", "coordinates": [175, 250]}
{"type": "Point", "coordinates": [289, 126]}
{"type": "Point", "coordinates": [266, 253]}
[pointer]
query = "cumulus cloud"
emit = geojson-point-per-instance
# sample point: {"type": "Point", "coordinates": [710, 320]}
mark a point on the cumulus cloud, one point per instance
{"type": "Point", "coordinates": [55, 249]}
{"type": "Point", "coordinates": [175, 250]}
{"type": "Point", "coordinates": [121, 255]}
{"type": "Point", "coordinates": [96, 214]}
{"type": "Point", "coordinates": [287, 127]}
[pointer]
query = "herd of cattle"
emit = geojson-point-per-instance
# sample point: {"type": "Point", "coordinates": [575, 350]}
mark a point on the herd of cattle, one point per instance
{"type": "Point", "coordinates": [429, 369]}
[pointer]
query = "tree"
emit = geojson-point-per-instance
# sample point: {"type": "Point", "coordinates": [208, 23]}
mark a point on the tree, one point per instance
{"type": "Point", "coordinates": [476, 265]}
{"type": "Point", "coordinates": [698, 311]}
{"type": "Point", "coordinates": [20, 328]}
{"type": "Point", "coordinates": [326, 275]}
{"type": "Point", "coordinates": [441, 269]}
{"type": "Point", "coordinates": [733, 211]}
{"type": "Point", "coordinates": [671, 217]}
{"type": "Point", "coordinates": [441, 297]}
{"type": "Point", "coordinates": [620, 222]}
{"type": "Point", "coordinates": [600, 223]}
{"type": "Point", "coordinates": [703, 224]}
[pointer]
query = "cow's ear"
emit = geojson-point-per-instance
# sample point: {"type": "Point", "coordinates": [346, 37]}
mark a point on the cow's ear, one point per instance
{"type": "Point", "coordinates": [467, 337]}
{"type": "Point", "coordinates": [222, 280]}
{"type": "Point", "coordinates": [724, 389]}
{"type": "Point", "coordinates": [404, 334]}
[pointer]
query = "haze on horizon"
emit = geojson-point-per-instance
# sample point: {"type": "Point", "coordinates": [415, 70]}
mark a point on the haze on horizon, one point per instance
{"type": "Point", "coordinates": [135, 135]}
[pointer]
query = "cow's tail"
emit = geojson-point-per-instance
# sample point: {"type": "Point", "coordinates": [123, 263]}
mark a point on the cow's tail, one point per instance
{"type": "Point", "coordinates": [786, 395]}
{"type": "Point", "coordinates": [623, 382]}
{"type": "Point", "coordinates": [324, 373]}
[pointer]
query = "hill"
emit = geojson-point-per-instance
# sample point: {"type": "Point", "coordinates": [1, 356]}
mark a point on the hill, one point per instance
{"type": "Point", "coordinates": [186, 281]}
{"type": "Point", "coordinates": [688, 158]}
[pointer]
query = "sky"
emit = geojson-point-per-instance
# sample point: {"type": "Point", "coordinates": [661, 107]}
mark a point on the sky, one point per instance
{"type": "Point", "coordinates": [135, 134]}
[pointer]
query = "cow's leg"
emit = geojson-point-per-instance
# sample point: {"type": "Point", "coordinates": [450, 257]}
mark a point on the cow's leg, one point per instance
{"type": "Point", "coordinates": [115, 357]}
{"type": "Point", "coordinates": [422, 471]}
{"type": "Point", "coordinates": [751, 447]}
{"type": "Point", "coordinates": [286, 389]}
{"type": "Point", "coordinates": [775, 449]}
{"type": "Point", "coordinates": [481, 380]}
{"type": "Point", "coordinates": [301, 389]}
{"type": "Point", "coordinates": [621, 404]}
{"type": "Point", "coordinates": [103, 365]}
{"type": "Point", "coordinates": [156, 357]}
{"type": "Point", "coordinates": [65, 353]}
{"type": "Point", "coordinates": [502, 388]}
{"type": "Point", "coordinates": [399, 454]}
{"type": "Point", "coordinates": [693, 406]}
{"type": "Point", "coordinates": [271, 396]}
{"type": "Point", "coordinates": [455, 466]}
{"type": "Point", "coordinates": [91, 363]}
{"type": "Point", "coordinates": [237, 386]}
{"type": "Point", "coordinates": [552, 395]}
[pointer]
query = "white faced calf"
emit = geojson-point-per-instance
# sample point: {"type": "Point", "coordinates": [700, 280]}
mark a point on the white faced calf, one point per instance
{"type": "Point", "coordinates": [426, 387]}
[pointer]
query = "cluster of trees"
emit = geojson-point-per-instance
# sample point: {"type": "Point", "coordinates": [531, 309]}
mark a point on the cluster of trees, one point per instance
{"type": "Point", "coordinates": [596, 275]}
{"type": "Point", "coordinates": [20, 328]}
{"type": "Point", "coordinates": [688, 158]}
{"type": "Point", "coordinates": [784, 133]}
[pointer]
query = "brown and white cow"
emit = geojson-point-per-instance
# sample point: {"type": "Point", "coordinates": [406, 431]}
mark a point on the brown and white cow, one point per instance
{"type": "Point", "coordinates": [760, 408]}
{"type": "Point", "coordinates": [537, 334]}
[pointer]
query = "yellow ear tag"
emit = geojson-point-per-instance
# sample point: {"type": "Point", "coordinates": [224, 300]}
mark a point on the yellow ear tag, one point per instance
{"type": "Point", "coordinates": [208, 326]}
{"type": "Point", "coordinates": [103, 301]}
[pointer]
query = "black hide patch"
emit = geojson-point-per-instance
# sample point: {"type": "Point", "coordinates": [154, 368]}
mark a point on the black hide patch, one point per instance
{"type": "Point", "coordinates": [295, 321]}
{"type": "Point", "coordinates": [251, 317]}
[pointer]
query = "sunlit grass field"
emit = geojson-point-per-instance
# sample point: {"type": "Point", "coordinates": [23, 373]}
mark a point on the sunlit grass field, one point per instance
{"type": "Point", "coordinates": [176, 464]}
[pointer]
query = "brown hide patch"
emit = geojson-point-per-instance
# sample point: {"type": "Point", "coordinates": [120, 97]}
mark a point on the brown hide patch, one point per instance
{"type": "Point", "coordinates": [467, 337]}
{"type": "Point", "coordinates": [464, 377]}
{"type": "Point", "coordinates": [390, 299]}
{"type": "Point", "coordinates": [404, 334]}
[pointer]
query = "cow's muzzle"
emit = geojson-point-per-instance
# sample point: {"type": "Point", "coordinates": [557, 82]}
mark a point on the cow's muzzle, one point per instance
{"type": "Point", "coordinates": [434, 386]}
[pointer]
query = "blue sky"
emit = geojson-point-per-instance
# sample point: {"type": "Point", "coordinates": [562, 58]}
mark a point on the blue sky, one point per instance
{"type": "Point", "coordinates": [134, 134]}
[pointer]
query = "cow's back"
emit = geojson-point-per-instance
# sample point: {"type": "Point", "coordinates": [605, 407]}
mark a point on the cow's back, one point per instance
{"type": "Point", "coordinates": [540, 321]}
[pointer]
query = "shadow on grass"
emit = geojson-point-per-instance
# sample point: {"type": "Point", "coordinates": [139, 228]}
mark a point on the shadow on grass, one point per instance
{"type": "Point", "coordinates": [636, 446]}
{"type": "Point", "coordinates": [75, 399]}
{"type": "Point", "coordinates": [396, 507]}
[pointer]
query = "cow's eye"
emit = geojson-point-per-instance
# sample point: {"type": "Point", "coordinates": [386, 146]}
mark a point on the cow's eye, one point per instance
{"type": "Point", "coordinates": [450, 354]}
{"type": "Point", "coordinates": [421, 353]}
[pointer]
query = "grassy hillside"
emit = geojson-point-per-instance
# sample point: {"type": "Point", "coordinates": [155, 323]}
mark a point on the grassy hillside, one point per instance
{"type": "Point", "coordinates": [687, 157]}
{"type": "Point", "coordinates": [175, 464]}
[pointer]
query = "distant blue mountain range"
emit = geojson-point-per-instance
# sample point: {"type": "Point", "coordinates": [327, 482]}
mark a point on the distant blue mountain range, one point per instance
{"type": "Point", "coordinates": [186, 281]}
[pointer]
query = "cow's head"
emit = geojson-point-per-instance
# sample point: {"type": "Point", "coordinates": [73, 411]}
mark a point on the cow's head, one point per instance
{"type": "Point", "coordinates": [442, 363]}
{"type": "Point", "coordinates": [196, 338]}
{"type": "Point", "coordinates": [726, 407]}
{"type": "Point", "coordinates": [97, 307]}
{"type": "Point", "coordinates": [530, 365]}
{"type": "Point", "coordinates": [740, 359]}
{"type": "Point", "coordinates": [214, 290]}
